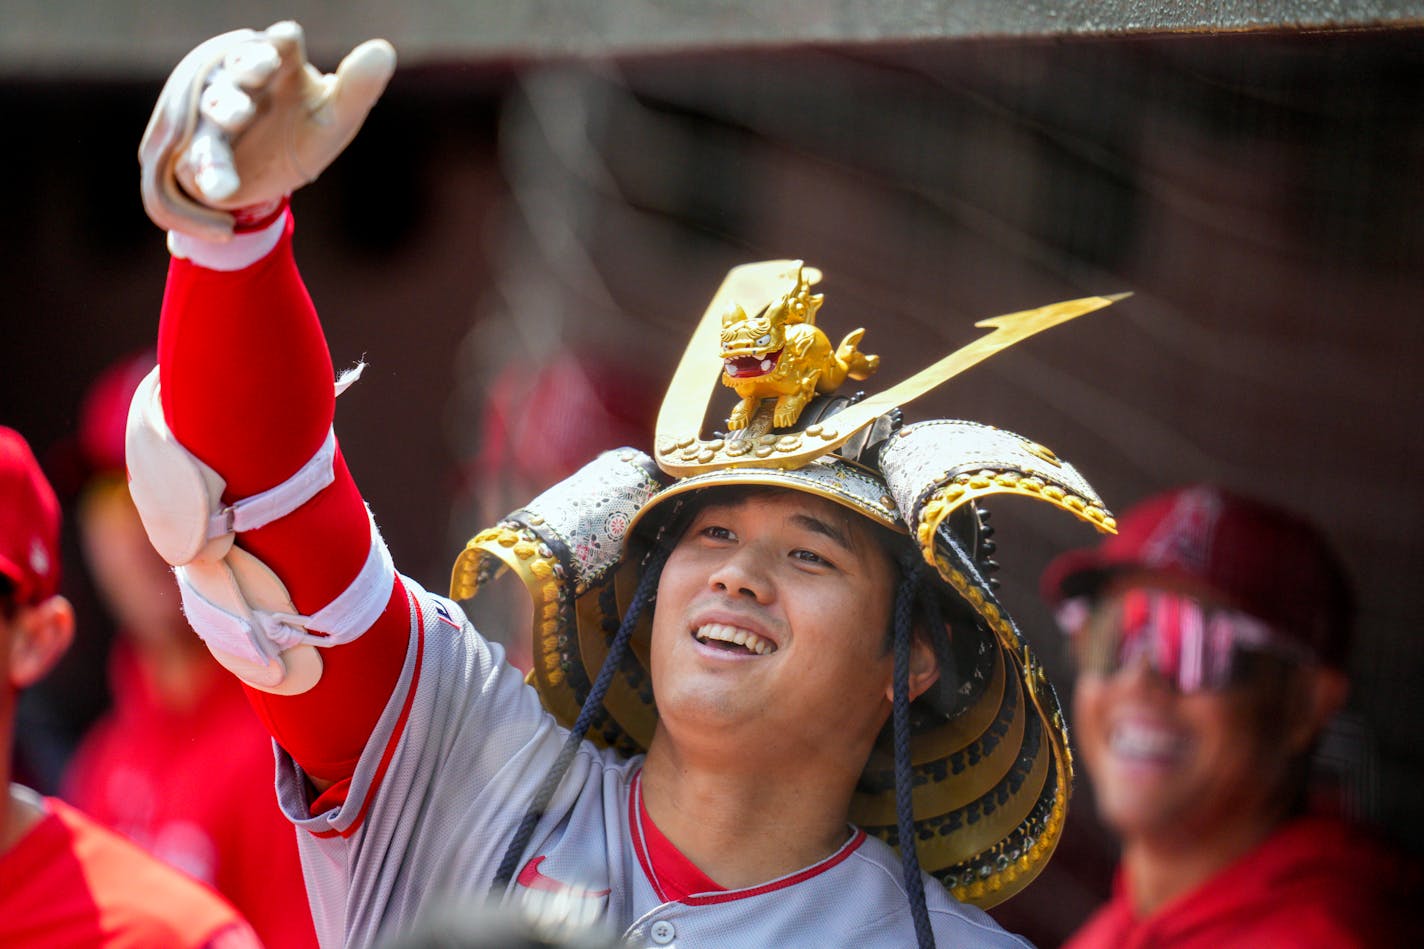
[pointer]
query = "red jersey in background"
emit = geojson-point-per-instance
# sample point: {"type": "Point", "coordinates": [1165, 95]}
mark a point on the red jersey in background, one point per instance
{"type": "Point", "coordinates": [194, 787]}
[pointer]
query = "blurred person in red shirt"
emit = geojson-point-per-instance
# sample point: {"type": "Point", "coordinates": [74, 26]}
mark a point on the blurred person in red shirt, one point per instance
{"type": "Point", "coordinates": [537, 428]}
{"type": "Point", "coordinates": [180, 765]}
{"type": "Point", "coordinates": [65, 880]}
{"type": "Point", "coordinates": [1211, 635]}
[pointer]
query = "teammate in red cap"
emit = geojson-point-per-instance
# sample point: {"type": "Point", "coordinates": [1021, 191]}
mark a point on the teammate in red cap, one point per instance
{"type": "Point", "coordinates": [1211, 635]}
{"type": "Point", "coordinates": [179, 765]}
{"type": "Point", "coordinates": [64, 880]}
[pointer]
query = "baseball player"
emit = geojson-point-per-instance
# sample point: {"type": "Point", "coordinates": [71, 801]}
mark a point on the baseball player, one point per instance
{"type": "Point", "coordinates": [796, 608]}
{"type": "Point", "coordinates": [178, 763]}
{"type": "Point", "coordinates": [64, 879]}
{"type": "Point", "coordinates": [1212, 637]}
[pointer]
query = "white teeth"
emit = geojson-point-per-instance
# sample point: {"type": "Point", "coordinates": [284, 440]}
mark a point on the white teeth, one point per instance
{"type": "Point", "coordinates": [766, 365]}
{"type": "Point", "coordinates": [1132, 740]}
{"type": "Point", "coordinates": [736, 636]}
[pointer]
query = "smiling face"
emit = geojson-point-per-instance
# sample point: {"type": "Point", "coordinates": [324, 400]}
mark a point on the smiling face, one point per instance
{"type": "Point", "coordinates": [770, 627]}
{"type": "Point", "coordinates": [1169, 765]}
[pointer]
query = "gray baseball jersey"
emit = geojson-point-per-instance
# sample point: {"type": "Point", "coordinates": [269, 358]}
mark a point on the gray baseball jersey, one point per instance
{"type": "Point", "coordinates": [449, 772]}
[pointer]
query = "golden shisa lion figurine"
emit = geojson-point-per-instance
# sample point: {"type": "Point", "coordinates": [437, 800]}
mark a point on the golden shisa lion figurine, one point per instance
{"type": "Point", "coordinates": [781, 353]}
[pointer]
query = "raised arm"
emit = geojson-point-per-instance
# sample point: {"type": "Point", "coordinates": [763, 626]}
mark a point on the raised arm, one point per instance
{"type": "Point", "coordinates": [232, 458]}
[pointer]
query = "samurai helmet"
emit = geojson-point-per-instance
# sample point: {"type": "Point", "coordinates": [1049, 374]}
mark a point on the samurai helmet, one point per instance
{"type": "Point", "coordinates": [988, 758]}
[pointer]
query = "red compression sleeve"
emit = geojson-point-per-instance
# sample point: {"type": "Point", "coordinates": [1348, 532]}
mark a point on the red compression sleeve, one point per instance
{"type": "Point", "coordinates": [247, 387]}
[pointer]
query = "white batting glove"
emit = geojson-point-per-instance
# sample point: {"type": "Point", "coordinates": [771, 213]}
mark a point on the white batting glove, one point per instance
{"type": "Point", "coordinates": [245, 120]}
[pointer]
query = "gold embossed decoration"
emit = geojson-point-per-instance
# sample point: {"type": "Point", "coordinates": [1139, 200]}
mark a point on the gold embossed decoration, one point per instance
{"type": "Point", "coordinates": [992, 770]}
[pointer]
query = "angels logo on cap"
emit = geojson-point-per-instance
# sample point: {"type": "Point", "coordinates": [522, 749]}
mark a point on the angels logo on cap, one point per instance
{"type": "Point", "coordinates": [1184, 537]}
{"type": "Point", "coordinates": [39, 557]}
{"type": "Point", "coordinates": [1268, 561]}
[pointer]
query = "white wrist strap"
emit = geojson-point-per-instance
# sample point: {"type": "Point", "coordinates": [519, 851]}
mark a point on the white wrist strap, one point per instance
{"type": "Point", "coordinates": [260, 509]}
{"type": "Point", "coordinates": [239, 253]}
{"type": "Point", "coordinates": [363, 600]}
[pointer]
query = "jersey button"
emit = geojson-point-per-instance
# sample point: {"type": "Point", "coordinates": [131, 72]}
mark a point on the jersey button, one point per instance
{"type": "Point", "coordinates": [663, 932]}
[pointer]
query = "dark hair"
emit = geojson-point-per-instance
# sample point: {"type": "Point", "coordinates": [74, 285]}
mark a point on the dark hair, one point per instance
{"type": "Point", "coordinates": [684, 508]}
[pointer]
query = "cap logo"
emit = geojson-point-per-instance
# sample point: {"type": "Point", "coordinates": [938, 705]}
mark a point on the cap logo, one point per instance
{"type": "Point", "coordinates": [1184, 537]}
{"type": "Point", "coordinates": [39, 557]}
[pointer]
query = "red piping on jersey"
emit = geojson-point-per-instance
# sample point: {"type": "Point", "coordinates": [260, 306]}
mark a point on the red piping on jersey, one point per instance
{"type": "Point", "coordinates": [655, 851]}
{"type": "Point", "coordinates": [645, 859]}
{"type": "Point", "coordinates": [848, 848]}
{"type": "Point", "coordinates": [396, 733]}
{"type": "Point", "coordinates": [635, 828]}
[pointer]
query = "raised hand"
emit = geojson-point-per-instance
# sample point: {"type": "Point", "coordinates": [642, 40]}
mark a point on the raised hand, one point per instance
{"type": "Point", "coordinates": [244, 120]}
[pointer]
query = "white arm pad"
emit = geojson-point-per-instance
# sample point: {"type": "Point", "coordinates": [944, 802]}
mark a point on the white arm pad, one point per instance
{"type": "Point", "coordinates": [235, 603]}
{"type": "Point", "coordinates": [175, 493]}
{"type": "Point", "coordinates": [180, 498]}
{"type": "Point", "coordinates": [242, 610]}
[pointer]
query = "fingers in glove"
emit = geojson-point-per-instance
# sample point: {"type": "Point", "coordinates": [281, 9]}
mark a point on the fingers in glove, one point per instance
{"type": "Point", "coordinates": [289, 42]}
{"type": "Point", "coordinates": [207, 163]}
{"type": "Point", "coordinates": [359, 81]}
{"type": "Point", "coordinates": [251, 64]}
{"type": "Point", "coordinates": [225, 105]}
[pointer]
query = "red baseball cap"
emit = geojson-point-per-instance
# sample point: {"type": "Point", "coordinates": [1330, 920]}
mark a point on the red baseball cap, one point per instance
{"type": "Point", "coordinates": [29, 522]}
{"type": "Point", "coordinates": [1266, 560]}
{"type": "Point", "coordinates": [104, 413]}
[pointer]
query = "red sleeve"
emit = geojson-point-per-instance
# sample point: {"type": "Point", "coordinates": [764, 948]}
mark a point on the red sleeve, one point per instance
{"type": "Point", "coordinates": [260, 871]}
{"type": "Point", "coordinates": [247, 387]}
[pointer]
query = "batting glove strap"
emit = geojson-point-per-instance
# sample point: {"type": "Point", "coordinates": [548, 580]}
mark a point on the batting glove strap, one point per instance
{"type": "Point", "coordinates": [242, 251]}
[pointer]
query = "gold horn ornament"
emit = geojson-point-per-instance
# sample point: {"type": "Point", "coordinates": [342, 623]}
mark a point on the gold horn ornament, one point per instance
{"type": "Point", "coordinates": [755, 288]}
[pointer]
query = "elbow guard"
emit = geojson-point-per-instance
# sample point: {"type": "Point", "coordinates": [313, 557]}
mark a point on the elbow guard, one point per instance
{"type": "Point", "coordinates": [233, 601]}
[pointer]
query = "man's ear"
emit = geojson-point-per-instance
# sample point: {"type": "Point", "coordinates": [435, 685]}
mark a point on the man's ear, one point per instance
{"type": "Point", "coordinates": [1320, 693]}
{"type": "Point", "coordinates": [924, 669]}
{"type": "Point", "coordinates": [40, 636]}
